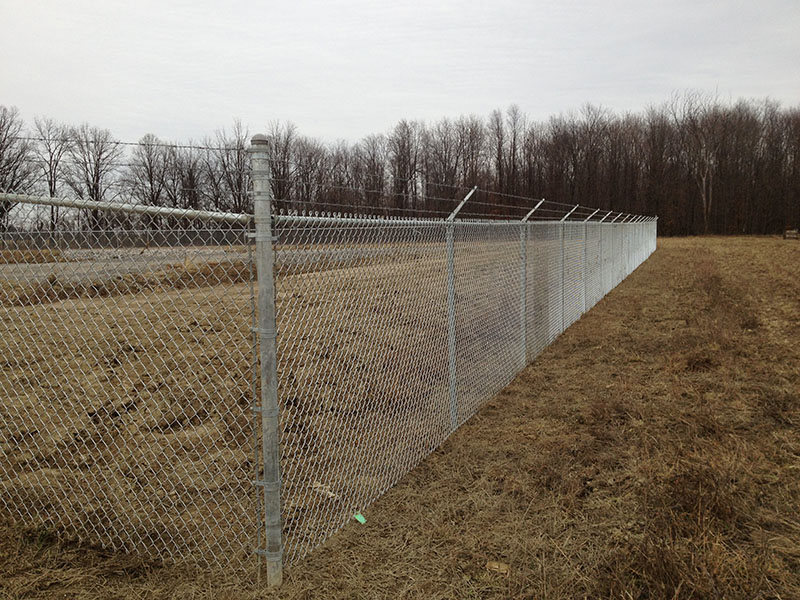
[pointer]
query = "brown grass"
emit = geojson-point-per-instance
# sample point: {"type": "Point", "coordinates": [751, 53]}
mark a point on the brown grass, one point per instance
{"type": "Point", "coordinates": [16, 257]}
{"type": "Point", "coordinates": [176, 276]}
{"type": "Point", "coordinates": [653, 451]}
{"type": "Point", "coordinates": [116, 411]}
{"type": "Point", "coordinates": [188, 274]}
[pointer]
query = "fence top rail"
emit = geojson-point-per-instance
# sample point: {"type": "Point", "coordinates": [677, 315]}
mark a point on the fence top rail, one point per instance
{"type": "Point", "coordinates": [137, 209]}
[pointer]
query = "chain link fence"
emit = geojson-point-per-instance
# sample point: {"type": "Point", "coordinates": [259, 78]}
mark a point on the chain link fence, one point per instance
{"type": "Point", "coordinates": [143, 410]}
{"type": "Point", "coordinates": [126, 373]}
{"type": "Point", "coordinates": [387, 342]}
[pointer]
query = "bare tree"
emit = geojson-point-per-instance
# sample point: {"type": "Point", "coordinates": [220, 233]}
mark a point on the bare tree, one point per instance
{"type": "Point", "coordinates": [372, 155]}
{"type": "Point", "coordinates": [697, 117]}
{"type": "Point", "coordinates": [147, 170]}
{"type": "Point", "coordinates": [593, 145]}
{"type": "Point", "coordinates": [183, 180]}
{"type": "Point", "coordinates": [342, 175]}
{"type": "Point", "coordinates": [93, 166]}
{"type": "Point", "coordinates": [444, 149]}
{"type": "Point", "coordinates": [515, 125]}
{"type": "Point", "coordinates": [472, 137]}
{"type": "Point", "coordinates": [497, 141]}
{"type": "Point", "coordinates": [532, 161]}
{"type": "Point", "coordinates": [310, 158]}
{"type": "Point", "coordinates": [404, 145]}
{"type": "Point", "coordinates": [16, 166]}
{"type": "Point", "coordinates": [146, 175]}
{"type": "Point", "coordinates": [791, 168]}
{"type": "Point", "coordinates": [282, 138]}
{"type": "Point", "coordinates": [51, 148]}
{"type": "Point", "coordinates": [227, 169]}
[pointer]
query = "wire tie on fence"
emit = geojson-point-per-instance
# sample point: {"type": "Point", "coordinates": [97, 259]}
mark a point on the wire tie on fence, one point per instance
{"type": "Point", "coordinates": [270, 333]}
{"type": "Point", "coordinates": [269, 486]}
{"type": "Point", "coordinates": [262, 237]}
{"type": "Point", "coordinates": [265, 413]}
{"type": "Point", "coordinates": [271, 556]}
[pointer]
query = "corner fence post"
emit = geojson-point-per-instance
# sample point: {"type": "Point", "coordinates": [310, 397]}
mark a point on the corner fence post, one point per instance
{"type": "Point", "coordinates": [270, 449]}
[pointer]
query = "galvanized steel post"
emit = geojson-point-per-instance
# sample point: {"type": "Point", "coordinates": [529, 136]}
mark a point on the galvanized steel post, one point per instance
{"type": "Point", "coordinates": [585, 266]}
{"type": "Point", "coordinates": [585, 257]}
{"type": "Point", "coordinates": [270, 448]}
{"type": "Point", "coordinates": [523, 240]}
{"type": "Point", "coordinates": [523, 252]}
{"type": "Point", "coordinates": [451, 312]}
{"type": "Point", "coordinates": [563, 266]}
{"type": "Point", "coordinates": [451, 327]}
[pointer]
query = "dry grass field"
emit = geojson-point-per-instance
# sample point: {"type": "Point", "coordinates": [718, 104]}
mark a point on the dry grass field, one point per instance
{"type": "Point", "coordinates": [652, 451]}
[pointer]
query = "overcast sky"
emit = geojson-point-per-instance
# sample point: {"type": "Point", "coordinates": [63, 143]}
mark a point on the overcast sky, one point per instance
{"type": "Point", "coordinates": [346, 68]}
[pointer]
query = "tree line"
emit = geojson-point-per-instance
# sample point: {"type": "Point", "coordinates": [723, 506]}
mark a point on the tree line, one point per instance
{"type": "Point", "coordinates": [700, 164]}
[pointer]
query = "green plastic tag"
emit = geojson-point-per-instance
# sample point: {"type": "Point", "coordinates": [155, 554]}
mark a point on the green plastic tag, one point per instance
{"type": "Point", "coordinates": [360, 518]}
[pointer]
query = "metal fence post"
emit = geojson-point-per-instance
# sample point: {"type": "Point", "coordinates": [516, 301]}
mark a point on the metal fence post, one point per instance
{"type": "Point", "coordinates": [654, 236]}
{"type": "Point", "coordinates": [585, 266]}
{"type": "Point", "coordinates": [451, 327]}
{"type": "Point", "coordinates": [523, 250]}
{"type": "Point", "coordinates": [563, 266]}
{"type": "Point", "coordinates": [451, 311]}
{"type": "Point", "coordinates": [270, 449]}
{"type": "Point", "coordinates": [523, 240]}
{"type": "Point", "coordinates": [585, 258]}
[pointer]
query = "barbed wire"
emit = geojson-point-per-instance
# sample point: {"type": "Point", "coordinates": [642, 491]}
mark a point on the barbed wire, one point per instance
{"type": "Point", "coordinates": [528, 198]}
{"type": "Point", "coordinates": [357, 208]}
{"type": "Point", "coordinates": [542, 212]}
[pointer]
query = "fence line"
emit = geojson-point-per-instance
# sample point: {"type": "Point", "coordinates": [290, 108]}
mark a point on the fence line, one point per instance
{"type": "Point", "coordinates": [162, 399]}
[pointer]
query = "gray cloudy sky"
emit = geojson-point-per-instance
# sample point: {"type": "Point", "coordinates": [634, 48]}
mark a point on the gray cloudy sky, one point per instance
{"type": "Point", "coordinates": [345, 68]}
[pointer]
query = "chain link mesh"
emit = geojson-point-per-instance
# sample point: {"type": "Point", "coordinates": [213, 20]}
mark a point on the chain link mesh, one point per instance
{"type": "Point", "coordinates": [363, 364]}
{"type": "Point", "coordinates": [574, 288]}
{"type": "Point", "coordinates": [128, 363]}
{"type": "Point", "coordinates": [545, 260]}
{"type": "Point", "coordinates": [594, 275]}
{"type": "Point", "coordinates": [392, 333]}
{"type": "Point", "coordinates": [126, 382]}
